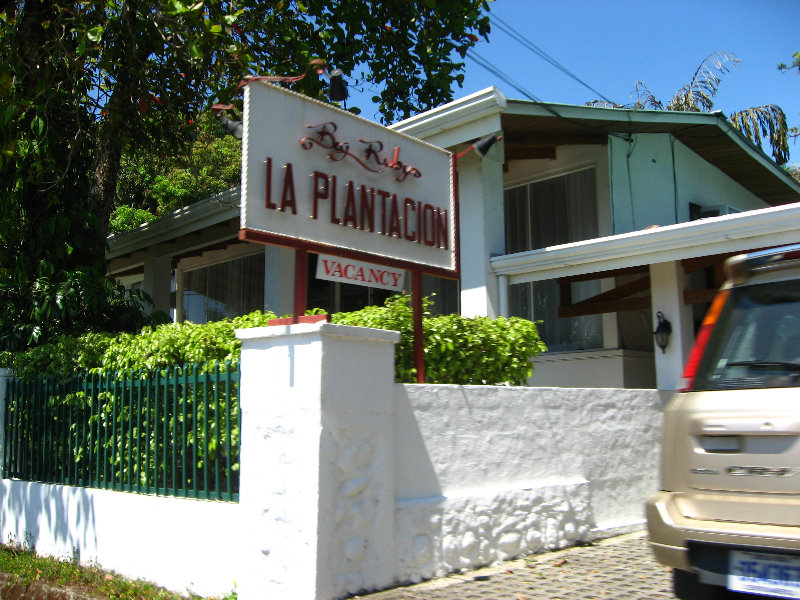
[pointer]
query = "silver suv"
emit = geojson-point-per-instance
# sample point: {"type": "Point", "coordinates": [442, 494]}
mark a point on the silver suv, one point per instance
{"type": "Point", "coordinates": [727, 518]}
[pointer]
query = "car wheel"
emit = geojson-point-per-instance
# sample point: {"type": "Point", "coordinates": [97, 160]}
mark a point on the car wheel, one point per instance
{"type": "Point", "coordinates": [688, 587]}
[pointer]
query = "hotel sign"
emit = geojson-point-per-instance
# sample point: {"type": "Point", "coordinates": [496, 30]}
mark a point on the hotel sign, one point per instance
{"type": "Point", "coordinates": [322, 179]}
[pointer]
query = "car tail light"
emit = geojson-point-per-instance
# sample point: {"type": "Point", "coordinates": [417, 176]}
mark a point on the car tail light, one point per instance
{"type": "Point", "coordinates": [696, 355]}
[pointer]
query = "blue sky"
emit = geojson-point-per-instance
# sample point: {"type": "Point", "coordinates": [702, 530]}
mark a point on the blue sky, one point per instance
{"type": "Point", "coordinates": [613, 43]}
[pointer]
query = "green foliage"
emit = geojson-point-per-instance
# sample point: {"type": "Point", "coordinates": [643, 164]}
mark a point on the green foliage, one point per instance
{"type": "Point", "coordinates": [85, 87]}
{"type": "Point", "coordinates": [795, 65]}
{"type": "Point", "coordinates": [458, 350]}
{"type": "Point", "coordinates": [26, 566]}
{"type": "Point", "coordinates": [211, 165]}
{"type": "Point", "coordinates": [152, 348]}
{"type": "Point", "coordinates": [127, 217]}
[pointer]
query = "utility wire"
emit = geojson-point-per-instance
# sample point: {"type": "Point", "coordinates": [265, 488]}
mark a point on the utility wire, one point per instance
{"type": "Point", "coordinates": [518, 37]}
{"type": "Point", "coordinates": [477, 58]}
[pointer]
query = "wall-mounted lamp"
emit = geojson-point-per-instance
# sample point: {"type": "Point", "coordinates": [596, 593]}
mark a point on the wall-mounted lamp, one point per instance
{"type": "Point", "coordinates": [662, 332]}
{"type": "Point", "coordinates": [235, 128]}
{"type": "Point", "coordinates": [482, 146]}
{"type": "Point", "coordinates": [337, 90]}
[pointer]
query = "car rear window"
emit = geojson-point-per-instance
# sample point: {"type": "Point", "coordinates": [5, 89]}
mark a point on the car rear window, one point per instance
{"type": "Point", "coordinates": [756, 342]}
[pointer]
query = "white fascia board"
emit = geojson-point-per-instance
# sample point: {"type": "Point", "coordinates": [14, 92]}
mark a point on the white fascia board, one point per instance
{"type": "Point", "coordinates": [454, 123]}
{"type": "Point", "coordinates": [197, 216]}
{"type": "Point", "coordinates": [761, 228]}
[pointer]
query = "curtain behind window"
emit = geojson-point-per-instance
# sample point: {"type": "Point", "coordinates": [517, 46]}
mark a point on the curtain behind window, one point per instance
{"type": "Point", "coordinates": [548, 213]}
{"type": "Point", "coordinates": [227, 289]}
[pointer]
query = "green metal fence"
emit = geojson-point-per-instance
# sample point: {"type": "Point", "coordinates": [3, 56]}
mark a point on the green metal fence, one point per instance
{"type": "Point", "coordinates": [171, 433]}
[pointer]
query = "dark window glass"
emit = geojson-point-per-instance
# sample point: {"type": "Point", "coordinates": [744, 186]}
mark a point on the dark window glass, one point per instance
{"type": "Point", "coordinates": [756, 341]}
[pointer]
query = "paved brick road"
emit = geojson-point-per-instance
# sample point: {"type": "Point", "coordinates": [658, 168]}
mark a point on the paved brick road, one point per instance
{"type": "Point", "coordinates": [618, 568]}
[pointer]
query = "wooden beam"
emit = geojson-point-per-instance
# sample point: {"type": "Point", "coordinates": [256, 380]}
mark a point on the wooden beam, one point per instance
{"type": "Point", "coordinates": [596, 308]}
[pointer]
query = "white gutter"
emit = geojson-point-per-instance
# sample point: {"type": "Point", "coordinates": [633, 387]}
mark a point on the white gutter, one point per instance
{"type": "Point", "coordinates": [485, 105]}
{"type": "Point", "coordinates": [761, 228]}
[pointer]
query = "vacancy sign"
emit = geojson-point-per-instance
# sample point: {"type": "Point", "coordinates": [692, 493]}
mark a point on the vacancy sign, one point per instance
{"type": "Point", "coordinates": [318, 178]}
{"type": "Point", "coordinates": [332, 268]}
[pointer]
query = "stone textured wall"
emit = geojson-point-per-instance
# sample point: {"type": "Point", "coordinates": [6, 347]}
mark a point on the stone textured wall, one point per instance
{"type": "Point", "coordinates": [486, 473]}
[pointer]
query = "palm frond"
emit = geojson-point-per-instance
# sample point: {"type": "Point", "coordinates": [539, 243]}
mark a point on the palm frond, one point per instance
{"type": "Point", "coordinates": [762, 123]}
{"type": "Point", "coordinates": [645, 99]}
{"type": "Point", "coordinates": [697, 95]}
{"type": "Point", "coordinates": [604, 104]}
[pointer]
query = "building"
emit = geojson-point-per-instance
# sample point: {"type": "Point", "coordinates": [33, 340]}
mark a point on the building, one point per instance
{"type": "Point", "coordinates": [593, 220]}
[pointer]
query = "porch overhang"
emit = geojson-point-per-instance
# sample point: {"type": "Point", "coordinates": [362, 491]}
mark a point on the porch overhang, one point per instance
{"type": "Point", "coordinates": [761, 228]}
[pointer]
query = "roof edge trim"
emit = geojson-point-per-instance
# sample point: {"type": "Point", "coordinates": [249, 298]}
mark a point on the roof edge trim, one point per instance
{"type": "Point", "coordinates": [487, 102]}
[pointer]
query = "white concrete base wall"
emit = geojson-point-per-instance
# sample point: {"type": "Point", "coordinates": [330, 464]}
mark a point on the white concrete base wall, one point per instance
{"type": "Point", "coordinates": [486, 473]}
{"type": "Point", "coordinates": [437, 536]}
{"type": "Point", "coordinates": [184, 545]}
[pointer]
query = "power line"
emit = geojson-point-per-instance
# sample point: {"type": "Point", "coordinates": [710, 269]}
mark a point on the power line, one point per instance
{"type": "Point", "coordinates": [518, 37]}
{"type": "Point", "coordinates": [477, 58]}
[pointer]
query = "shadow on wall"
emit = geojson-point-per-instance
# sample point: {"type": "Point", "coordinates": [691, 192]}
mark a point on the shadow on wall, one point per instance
{"type": "Point", "coordinates": [54, 520]}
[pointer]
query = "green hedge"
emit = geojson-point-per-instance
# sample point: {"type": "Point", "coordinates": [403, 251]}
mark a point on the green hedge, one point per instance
{"type": "Point", "coordinates": [459, 350]}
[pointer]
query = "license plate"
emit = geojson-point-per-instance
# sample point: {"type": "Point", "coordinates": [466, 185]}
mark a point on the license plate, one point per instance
{"type": "Point", "coordinates": [766, 574]}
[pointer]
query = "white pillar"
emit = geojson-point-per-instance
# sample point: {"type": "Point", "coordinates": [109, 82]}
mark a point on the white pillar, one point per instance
{"type": "Point", "coordinates": [482, 229]}
{"type": "Point", "coordinates": [667, 282]}
{"type": "Point", "coordinates": [317, 461]}
{"type": "Point", "coordinates": [157, 279]}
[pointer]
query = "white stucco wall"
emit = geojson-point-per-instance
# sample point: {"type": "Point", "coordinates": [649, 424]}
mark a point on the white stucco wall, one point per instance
{"type": "Point", "coordinates": [487, 473]}
{"type": "Point", "coordinates": [182, 544]}
{"type": "Point", "coordinates": [654, 177]}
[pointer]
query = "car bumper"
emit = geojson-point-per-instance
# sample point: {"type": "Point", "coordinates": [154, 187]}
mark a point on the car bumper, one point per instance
{"type": "Point", "coordinates": [672, 534]}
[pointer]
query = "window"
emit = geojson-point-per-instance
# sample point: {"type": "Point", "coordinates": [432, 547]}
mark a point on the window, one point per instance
{"type": "Point", "coordinates": [227, 289]}
{"type": "Point", "coordinates": [548, 213]}
{"type": "Point", "coordinates": [551, 212]}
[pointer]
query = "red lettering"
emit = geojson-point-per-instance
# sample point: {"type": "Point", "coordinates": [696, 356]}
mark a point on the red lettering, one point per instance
{"type": "Point", "coordinates": [428, 225]}
{"type": "Point", "coordinates": [319, 191]}
{"type": "Point", "coordinates": [287, 193]}
{"type": "Point", "coordinates": [367, 208]}
{"type": "Point", "coordinates": [442, 239]}
{"type": "Point", "coordinates": [334, 219]}
{"type": "Point", "coordinates": [394, 218]}
{"type": "Point", "coordinates": [406, 203]}
{"type": "Point", "coordinates": [396, 277]}
{"type": "Point", "coordinates": [350, 207]}
{"type": "Point", "coordinates": [268, 203]}
{"type": "Point", "coordinates": [326, 265]}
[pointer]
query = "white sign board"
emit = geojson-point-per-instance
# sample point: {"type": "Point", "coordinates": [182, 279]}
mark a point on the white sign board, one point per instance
{"type": "Point", "coordinates": [344, 270]}
{"type": "Point", "coordinates": [320, 178]}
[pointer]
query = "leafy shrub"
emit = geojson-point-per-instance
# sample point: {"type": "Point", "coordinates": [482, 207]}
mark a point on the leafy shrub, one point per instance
{"type": "Point", "coordinates": [158, 347]}
{"type": "Point", "coordinates": [458, 350]}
